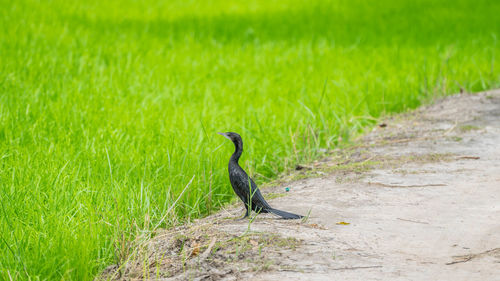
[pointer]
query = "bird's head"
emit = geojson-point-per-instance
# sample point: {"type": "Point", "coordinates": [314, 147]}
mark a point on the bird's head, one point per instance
{"type": "Point", "coordinates": [234, 137]}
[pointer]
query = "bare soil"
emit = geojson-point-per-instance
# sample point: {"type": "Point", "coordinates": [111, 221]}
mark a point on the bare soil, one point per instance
{"type": "Point", "coordinates": [417, 199]}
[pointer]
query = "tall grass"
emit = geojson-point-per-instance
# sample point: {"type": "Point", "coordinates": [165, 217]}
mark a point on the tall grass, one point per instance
{"type": "Point", "coordinates": [109, 108]}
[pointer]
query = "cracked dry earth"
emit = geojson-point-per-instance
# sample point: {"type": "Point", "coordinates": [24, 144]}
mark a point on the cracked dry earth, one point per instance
{"type": "Point", "coordinates": [420, 198]}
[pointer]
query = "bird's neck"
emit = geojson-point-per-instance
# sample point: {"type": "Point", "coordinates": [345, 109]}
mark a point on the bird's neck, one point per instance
{"type": "Point", "coordinates": [238, 145]}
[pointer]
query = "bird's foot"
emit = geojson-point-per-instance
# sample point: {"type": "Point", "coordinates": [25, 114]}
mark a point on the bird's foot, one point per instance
{"type": "Point", "coordinates": [244, 217]}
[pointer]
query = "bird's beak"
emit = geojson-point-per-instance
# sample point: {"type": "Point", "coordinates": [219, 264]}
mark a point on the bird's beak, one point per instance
{"type": "Point", "coordinates": [224, 135]}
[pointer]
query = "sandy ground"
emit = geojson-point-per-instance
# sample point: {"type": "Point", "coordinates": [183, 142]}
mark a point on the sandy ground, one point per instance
{"type": "Point", "coordinates": [420, 197]}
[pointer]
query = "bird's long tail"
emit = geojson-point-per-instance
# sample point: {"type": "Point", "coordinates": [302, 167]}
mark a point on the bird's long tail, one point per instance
{"type": "Point", "coordinates": [285, 215]}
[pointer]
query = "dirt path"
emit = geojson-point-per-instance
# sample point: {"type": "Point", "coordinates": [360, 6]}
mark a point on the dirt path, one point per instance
{"type": "Point", "coordinates": [421, 197]}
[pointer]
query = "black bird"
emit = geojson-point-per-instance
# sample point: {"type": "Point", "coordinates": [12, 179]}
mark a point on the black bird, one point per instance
{"type": "Point", "coordinates": [244, 186]}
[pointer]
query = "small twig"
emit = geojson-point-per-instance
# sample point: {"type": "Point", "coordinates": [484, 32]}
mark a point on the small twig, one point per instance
{"type": "Point", "coordinates": [345, 162]}
{"type": "Point", "coordinates": [464, 259]}
{"type": "Point", "coordinates": [403, 186]}
{"type": "Point", "coordinates": [387, 142]}
{"type": "Point", "coordinates": [412, 221]}
{"type": "Point", "coordinates": [206, 253]}
{"type": "Point", "coordinates": [451, 129]}
{"type": "Point", "coordinates": [357, 267]}
{"type": "Point", "coordinates": [469, 157]}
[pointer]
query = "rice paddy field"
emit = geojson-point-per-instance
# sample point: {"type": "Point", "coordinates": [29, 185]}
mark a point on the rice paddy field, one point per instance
{"type": "Point", "coordinates": [109, 109]}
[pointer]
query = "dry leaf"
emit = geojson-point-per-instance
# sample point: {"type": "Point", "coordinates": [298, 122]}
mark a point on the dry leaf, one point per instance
{"type": "Point", "coordinates": [255, 244]}
{"type": "Point", "coordinates": [343, 223]}
{"type": "Point", "coordinates": [196, 249]}
{"type": "Point", "coordinates": [314, 225]}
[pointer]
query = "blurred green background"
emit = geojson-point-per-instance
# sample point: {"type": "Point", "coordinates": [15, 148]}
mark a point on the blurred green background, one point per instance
{"type": "Point", "coordinates": [109, 108]}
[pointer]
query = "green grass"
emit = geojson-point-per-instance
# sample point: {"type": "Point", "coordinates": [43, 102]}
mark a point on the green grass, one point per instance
{"type": "Point", "coordinates": [109, 108]}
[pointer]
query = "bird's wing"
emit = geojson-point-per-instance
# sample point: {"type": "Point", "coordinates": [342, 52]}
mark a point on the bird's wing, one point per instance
{"type": "Point", "coordinates": [257, 198]}
{"type": "Point", "coordinates": [239, 181]}
{"type": "Point", "coordinates": [244, 186]}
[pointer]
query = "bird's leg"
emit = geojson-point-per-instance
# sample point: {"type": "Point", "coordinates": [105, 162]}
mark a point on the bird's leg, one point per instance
{"type": "Point", "coordinates": [247, 213]}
